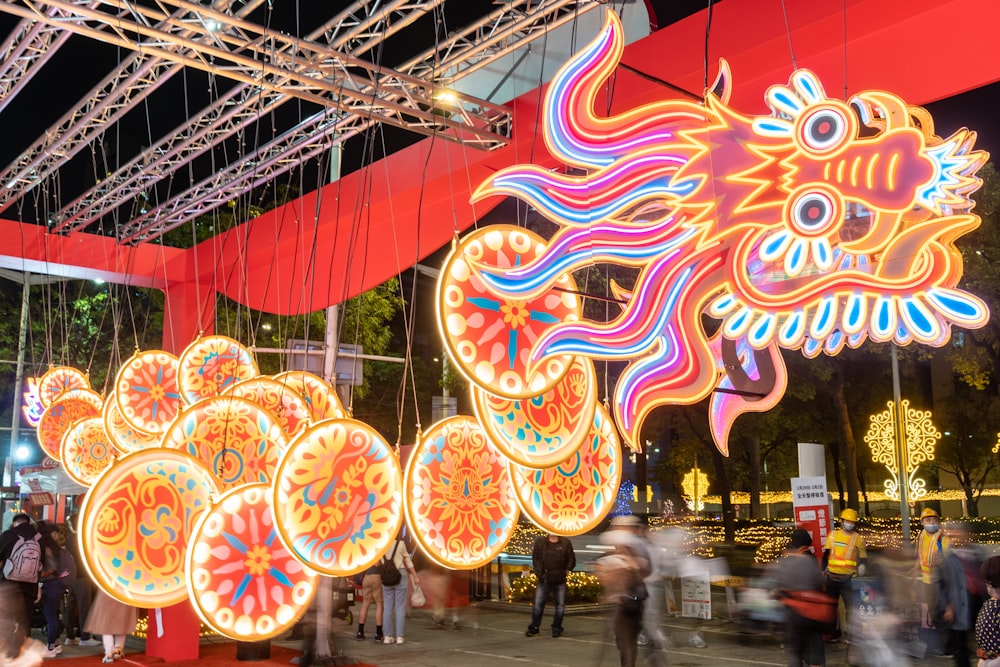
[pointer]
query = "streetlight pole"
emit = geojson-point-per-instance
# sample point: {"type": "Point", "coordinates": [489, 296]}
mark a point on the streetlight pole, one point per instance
{"type": "Point", "coordinates": [901, 449]}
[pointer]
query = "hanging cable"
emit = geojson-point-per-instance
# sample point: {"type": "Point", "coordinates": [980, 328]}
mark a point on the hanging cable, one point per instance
{"type": "Point", "coordinates": [708, 32]}
{"type": "Point", "coordinates": [788, 32]}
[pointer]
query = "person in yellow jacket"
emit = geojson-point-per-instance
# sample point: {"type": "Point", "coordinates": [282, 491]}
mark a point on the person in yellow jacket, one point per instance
{"type": "Point", "coordinates": [844, 557]}
{"type": "Point", "coordinates": [932, 546]}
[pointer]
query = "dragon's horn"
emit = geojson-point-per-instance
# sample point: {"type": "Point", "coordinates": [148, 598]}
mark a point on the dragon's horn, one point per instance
{"type": "Point", "coordinates": [723, 86]}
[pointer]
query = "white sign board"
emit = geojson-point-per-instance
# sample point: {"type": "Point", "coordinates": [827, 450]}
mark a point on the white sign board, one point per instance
{"type": "Point", "coordinates": [696, 595]}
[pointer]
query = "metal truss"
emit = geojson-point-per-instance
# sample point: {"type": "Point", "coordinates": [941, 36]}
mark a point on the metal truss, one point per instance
{"type": "Point", "coordinates": [268, 163]}
{"type": "Point", "coordinates": [220, 44]}
{"type": "Point", "coordinates": [110, 99]}
{"type": "Point", "coordinates": [358, 28]}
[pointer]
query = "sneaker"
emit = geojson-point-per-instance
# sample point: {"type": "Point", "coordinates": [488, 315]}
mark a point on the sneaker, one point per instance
{"type": "Point", "coordinates": [90, 642]}
{"type": "Point", "coordinates": [389, 640]}
{"type": "Point", "coordinates": [50, 653]}
{"type": "Point", "coordinates": [697, 642]}
{"type": "Point", "coordinates": [55, 647]}
{"type": "Point", "coordinates": [118, 655]}
{"type": "Point", "coordinates": [400, 640]}
{"type": "Point", "coordinates": [531, 632]}
{"type": "Point", "coordinates": [107, 660]}
{"type": "Point", "coordinates": [379, 639]}
{"type": "Point", "coordinates": [71, 641]}
{"type": "Point", "coordinates": [643, 639]}
{"type": "Point", "coordinates": [556, 633]}
{"type": "Point", "coordinates": [360, 636]}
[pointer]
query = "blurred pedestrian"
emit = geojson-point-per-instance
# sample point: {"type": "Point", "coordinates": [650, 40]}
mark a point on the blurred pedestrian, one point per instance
{"type": "Point", "coordinates": [622, 573]}
{"type": "Point", "coordinates": [798, 583]}
{"type": "Point", "coordinates": [932, 547]}
{"type": "Point", "coordinates": [844, 557]}
{"type": "Point", "coordinates": [371, 593]}
{"type": "Point", "coordinates": [113, 620]}
{"type": "Point", "coordinates": [81, 591]}
{"type": "Point", "coordinates": [395, 594]}
{"type": "Point", "coordinates": [988, 621]}
{"type": "Point", "coordinates": [56, 569]}
{"type": "Point", "coordinates": [20, 564]}
{"type": "Point", "coordinates": [552, 559]}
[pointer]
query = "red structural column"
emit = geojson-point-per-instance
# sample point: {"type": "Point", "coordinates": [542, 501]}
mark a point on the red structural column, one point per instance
{"type": "Point", "coordinates": [173, 632]}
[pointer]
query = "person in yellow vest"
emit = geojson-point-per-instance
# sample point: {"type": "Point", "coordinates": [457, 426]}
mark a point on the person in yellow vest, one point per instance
{"type": "Point", "coordinates": [844, 557]}
{"type": "Point", "coordinates": [932, 546]}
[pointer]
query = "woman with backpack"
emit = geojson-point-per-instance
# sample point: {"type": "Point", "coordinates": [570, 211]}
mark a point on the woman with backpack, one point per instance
{"type": "Point", "coordinates": [395, 565]}
{"type": "Point", "coordinates": [53, 584]}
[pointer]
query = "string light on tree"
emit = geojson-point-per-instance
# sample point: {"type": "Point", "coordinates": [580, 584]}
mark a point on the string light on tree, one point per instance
{"type": "Point", "coordinates": [920, 437]}
{"type": "Point", "coordinates": [695, 485]}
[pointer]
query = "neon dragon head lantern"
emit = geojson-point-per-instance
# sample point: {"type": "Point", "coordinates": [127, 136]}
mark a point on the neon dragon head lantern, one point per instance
{"type": "Point", "coordinates": [821, 225]}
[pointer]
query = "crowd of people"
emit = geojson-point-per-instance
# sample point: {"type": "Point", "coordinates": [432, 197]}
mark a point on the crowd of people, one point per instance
{"type": "Point", "coordinates": [38, 566]}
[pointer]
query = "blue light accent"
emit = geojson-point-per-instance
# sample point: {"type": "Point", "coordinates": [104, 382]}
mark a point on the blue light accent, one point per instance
{"type": "Point", "coordinates": [796, 259]}
{"type": "Point", "coordinates": [774, 244]}
{"type": "Point", "coordinates": [542, 316]}
{"type": "Point", "coordinates": [955, 306]}
{"type": "Point", "coordinates": [238, 593]}
{"type": "Point", "coordinates": [485, 304]}
{"type": "Point", "coordinates": [762, 332]}
{"type": "Point", "coordinates": [786, 99]}
{"type": "Point", "coordinates": [854, 313]}
{"type": "Point", "coordinates": [823, 319]}
{"type": "Point", "coordinates": [883, 321]}
{"type": "Point", "coordinates": [769, 127]}
{"type": "Point", "coordinates": [511, 347]}
{"type": "Point", "coordinates": [737, 324]}
{"type": "Point", "coordinates": [917, 318]}
{"type": "Point", "coordinates": [807, 84]}
{"type": "Point", "coordinates": [794, 327]}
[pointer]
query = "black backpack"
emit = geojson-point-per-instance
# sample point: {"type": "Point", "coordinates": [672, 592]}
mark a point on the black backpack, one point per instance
{"type": "Point", "coordinates": [390, 573]}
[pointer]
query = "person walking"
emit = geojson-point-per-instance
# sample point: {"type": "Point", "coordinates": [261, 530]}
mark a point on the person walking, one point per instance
{"type": "Point", "coordinates": [932, 548]}
{"type": "Point", "coordinates": [552, 558]}
{"type": "Point", "coordinates": [52, 581]}
{"type": "Point", "coordinates": [20, 565]}
{"type": "Point", "coordinates": [113, 620]}
{"type": "Point", "coordinates": [371, 593]}
{"type": "Point", "coordinates": [797, 579]}
{"type": "Point", "coordinates": [622, 573]}
{"type": "Point", "coordinates": [844, 557]}
{"type": "Point", "coordinates": [81, 591]}
{"type": "Point", "coordinates": [394, 590]}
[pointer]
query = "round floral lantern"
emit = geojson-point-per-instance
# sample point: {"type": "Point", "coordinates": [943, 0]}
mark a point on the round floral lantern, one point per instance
{"type": "Point", "coordinates": [87, 450]}
{"type": "Point", "coordinates": [126, 437]}
{"type": "Point", "coordinates": [545, 430]}
{"type": "Point", "coordinates": [321, 400]}
{"type": "Point", "coordinates": [337, 497]}
{"type": "Point", "coordinates": [489, 337]}
{"type": "Point", "coordinates": [146, 391]}
{"type": "Point", "coordinates": [243, 582]}
{"type": "Point", "coordinates": [135, 523]}
{"type": "Point", "coordinates": [72, 406]}
{"type": "Point", "coordinates": [59, 379]}
{"type": "Point", "coordinates": [574, 496]}
{"type": "Point", "coordinates": [459, 500]}
{"type": "Point", "coordinates": [237, 439]}
{"type": "Point", "coordinates": [212, 364]}
{"type": "Point", "coordinates": [281, 400]}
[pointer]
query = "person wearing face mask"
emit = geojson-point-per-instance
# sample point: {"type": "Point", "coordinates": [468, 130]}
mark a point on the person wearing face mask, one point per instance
{"type": "Point", "coordinates": [933, 550]}
{"type": "Point", "coordinates": [844, 557]}
{"type": "Point", "coordinates": [932, 545]}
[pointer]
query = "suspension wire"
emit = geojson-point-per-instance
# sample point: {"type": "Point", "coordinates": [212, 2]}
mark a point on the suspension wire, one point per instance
{"type": "Point", "coordinates": [788, 32]}
{"type": "Point", "coordinates": [708, 33]}
{"type": "Point", "coordinates": [844, 14]}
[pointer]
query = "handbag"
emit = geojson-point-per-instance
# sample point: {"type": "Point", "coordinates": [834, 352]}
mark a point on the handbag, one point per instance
{"type": "Point", "coordinates": [814, 606]}
{"type": "Point", "coordinates": [391, 575]}
{"type": "Point", "coordinates": [417, 597]}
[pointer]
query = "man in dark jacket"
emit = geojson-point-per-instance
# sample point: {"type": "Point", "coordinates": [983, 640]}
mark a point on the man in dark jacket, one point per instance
{"type": "Point", "coordinates": [552, 559]}
{"type": "Point", "coordinates": [20, 527]}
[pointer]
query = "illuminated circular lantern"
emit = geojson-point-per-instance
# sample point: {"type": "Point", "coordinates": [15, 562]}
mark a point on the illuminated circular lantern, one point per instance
{"type": "Point", "coordinates": [126, 437]}
{"type": "Point", "coordinates": [146, 391]}
{"type": "Point", "coordinates": [58, 379]}
{"type": "Point", "coordinates": [337, 497]}
{"type": "Point", "coordinates": [87, 450]}
{"type": "Point", "coordinates": [72, 406]}
{"type": "Point", "coordinates": [459, 500]}
{"type": "Point", "coordinates": [490, 337]}
{"type": "Point", "coordinates": [574, 496]}
{"type": "Point", "coordinates": [545, 430]}
{"type": "Point", "coordinates": [321, 400]}
{"type": "Point", "coordinates": [136, 521]}
{"type": "Point", "coordinates": [243, 582]}
{"type": "Point", "coordinates": [212, 364]}
{"type": "Point", "coordinates": [281, 400]}
{"type": "Point", "coordinates": [237, 439]}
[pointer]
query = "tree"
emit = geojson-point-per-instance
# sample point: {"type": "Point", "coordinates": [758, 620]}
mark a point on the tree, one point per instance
{"type": "Point", "coordinates": [968, 420]}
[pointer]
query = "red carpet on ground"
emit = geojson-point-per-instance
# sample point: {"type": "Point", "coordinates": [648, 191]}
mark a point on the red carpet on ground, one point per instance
{"type": "Point", "coordinates": [217, 655]}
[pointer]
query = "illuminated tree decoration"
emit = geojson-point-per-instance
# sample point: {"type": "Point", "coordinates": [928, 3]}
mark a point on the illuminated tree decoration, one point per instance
{"type": "Point", "coordinates": [126, 437]}
{"type": "Point", "coordinates": [320, 398]}
{"type": "Point", "coordinates": [212, 364]}
{"type": "Point", "coordinates": [920, 436]}
{"type": "Point", "coordinates": [337, 497]}
{"type": "Point", "coordinates": [490, 337]}
{"type": "Point", "coordinates": [574, 496]}
{"type": "Point", "coordinates": [136, 521]}
{"type": "Point", "coordinates": [59, 379]}
{"type": "Point", "coordinates": [459, 499]}
{"type": "Point", "coordinates": [146, 391]}
{"type": "Point", "coordinates": [695, 488]}
{"type": "Point", "coordinates": [73, 405]}
{"type": "Point", "coordinates": [243, 582]}
{"type": "Point", "coordinates": [87, 450]}
{"type": "Point", "coordinates": [237, 439]}
{"type": "Point", "coordinates": [278, 398]}
{"type": "Point", "coordinates": [544, 430]}
{"type": "Point", "coordinates": [823, 224]}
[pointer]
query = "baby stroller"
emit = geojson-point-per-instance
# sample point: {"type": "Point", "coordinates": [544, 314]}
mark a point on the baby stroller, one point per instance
{"type": "Point", "coordinates": [758, 613]}
{"type": "Point", "coordinates": [344, 594]}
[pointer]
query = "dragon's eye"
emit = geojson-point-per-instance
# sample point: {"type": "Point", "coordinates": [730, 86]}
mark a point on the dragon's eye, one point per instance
{"type": "Point", "coordinates": [814, 209]}
{"type": "Point", "coordinates": [825, 128]}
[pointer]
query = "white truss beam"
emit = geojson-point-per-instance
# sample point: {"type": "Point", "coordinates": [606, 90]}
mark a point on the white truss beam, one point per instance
{"type": "Point", "coordinates": [314, 72]}
{"type": "Point", "coordinates": [358, 29]}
